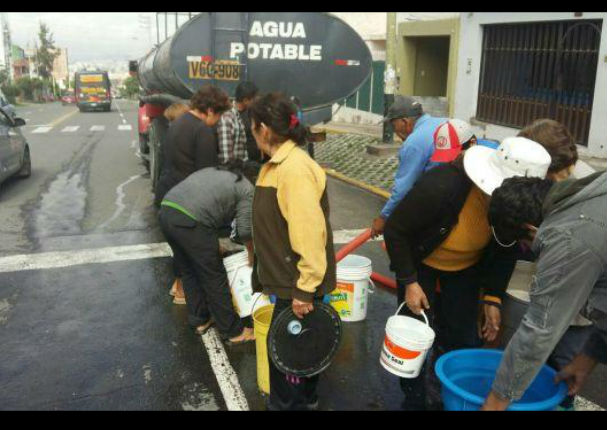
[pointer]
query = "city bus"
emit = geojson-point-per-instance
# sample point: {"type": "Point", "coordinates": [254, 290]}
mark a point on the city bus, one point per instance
{"type": "Point", "coordinates": [93, 90]}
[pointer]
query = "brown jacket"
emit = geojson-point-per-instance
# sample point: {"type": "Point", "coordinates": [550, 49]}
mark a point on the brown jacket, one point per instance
{"type": "Point", "coordinates": [291, 230]}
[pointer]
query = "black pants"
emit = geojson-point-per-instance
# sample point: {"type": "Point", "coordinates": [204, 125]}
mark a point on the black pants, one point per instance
{"type": "Point", "coordinates": [285, 395]}
{"type": "Point", "coordinates": [453, 315]}
{"type": "Point", "coordinates": [205, 282]}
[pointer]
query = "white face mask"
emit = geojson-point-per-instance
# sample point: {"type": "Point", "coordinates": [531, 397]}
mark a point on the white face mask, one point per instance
{"type": "Point", "coordinates": [500, 243]}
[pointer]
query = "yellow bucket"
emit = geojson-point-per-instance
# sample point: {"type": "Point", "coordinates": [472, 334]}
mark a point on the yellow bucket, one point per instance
{"type": "Point", "coordinates": [262, 318]}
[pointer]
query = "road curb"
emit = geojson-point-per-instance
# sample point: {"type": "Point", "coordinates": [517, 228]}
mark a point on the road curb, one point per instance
{"type": "Point", "coordinates": [360, 184]}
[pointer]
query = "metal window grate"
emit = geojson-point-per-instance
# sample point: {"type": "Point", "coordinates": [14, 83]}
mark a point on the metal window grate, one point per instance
{"type": "Point", "coordinates": [539, 70]}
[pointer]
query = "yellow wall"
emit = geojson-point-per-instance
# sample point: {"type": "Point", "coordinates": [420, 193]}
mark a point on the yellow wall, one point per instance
{"type": "Point", "coordinates": [406, 52]}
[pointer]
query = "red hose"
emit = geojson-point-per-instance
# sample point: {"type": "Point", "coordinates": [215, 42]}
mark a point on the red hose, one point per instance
{"type": "Point", "coordinates": [384, 280]}
{"type": "Point", "coordinates": [355, 243]}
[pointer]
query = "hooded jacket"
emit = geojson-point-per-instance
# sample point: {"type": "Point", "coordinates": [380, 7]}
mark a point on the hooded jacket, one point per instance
{"type": "Point", "coordinates": [571, 278]}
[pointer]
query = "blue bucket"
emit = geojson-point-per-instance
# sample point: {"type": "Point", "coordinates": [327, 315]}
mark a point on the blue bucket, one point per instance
{"type": "Point", "coordinates": [466, 376]}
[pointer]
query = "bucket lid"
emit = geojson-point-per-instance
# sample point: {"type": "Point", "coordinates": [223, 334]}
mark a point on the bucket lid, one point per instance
{"type": "Point", "coordinates": [354, 265]}
{"type": "Point", "coordinates": [310, 349]}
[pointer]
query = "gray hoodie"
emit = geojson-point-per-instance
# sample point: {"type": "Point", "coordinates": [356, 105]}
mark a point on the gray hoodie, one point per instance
{"type": "Point", "coordinates": [571, 278]}
{"type": "Point", "coordinates": [214, 198]}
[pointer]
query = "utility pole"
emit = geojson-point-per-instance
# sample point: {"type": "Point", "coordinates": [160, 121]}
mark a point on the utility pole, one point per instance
{"type": "Point", "coordinates": [390, 81]}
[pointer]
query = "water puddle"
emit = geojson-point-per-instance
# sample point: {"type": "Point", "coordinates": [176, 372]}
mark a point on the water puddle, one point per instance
{"type": "Point", "coordinates": [62, 207]}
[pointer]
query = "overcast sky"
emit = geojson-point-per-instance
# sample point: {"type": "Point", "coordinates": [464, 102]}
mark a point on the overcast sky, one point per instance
{"type": "Point", "coordinates": [90, 36]}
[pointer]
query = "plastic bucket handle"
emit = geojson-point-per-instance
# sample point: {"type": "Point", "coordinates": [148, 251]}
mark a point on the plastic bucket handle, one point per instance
{"type": "Point", "coordinates": [371, 290]}
{"type": "Point", "coordinates": [423, 313]}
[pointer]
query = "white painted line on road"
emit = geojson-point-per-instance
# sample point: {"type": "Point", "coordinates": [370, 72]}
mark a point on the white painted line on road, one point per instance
{"type": "Point", "coordinates": [58, 259]}
{"type": "Point", "coordinates": [97, 128]}
{"type": "Point", "coordinates": [582, 404]}
{"type": "Point", "coordinates": [224, 372]}
{"type": "Point", "coordinates": [41, 130]}
{"type": "Point", "coordinates": [346, 236]}
{"type": "Point", "coordinates": [70, 129]}
{"type": "Point", "coordinates": [125, 127]}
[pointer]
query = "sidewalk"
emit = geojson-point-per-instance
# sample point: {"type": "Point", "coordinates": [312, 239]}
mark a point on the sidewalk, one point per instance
{"type": "Point", "coordinates": [346, 153]}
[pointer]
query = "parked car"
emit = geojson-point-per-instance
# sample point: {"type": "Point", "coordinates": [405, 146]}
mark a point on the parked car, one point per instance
{"type": "Point", "coordinates": [5, 104]}
{"type": "Point", "coordinates": [68, 98]}
{"type": "Point", "coordinates": [14, 150]}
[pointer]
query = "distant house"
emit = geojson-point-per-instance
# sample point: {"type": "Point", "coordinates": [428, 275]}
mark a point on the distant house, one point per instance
{"type": "Point", "coordinates": [19, 62]}
{"type": "Point", "coordinates": [513, 68]}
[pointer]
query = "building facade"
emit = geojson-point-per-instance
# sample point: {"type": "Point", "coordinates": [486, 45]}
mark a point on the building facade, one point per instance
{"type": "Point", "coordinates": [60, 68]}
{"type": "Point", "coordinates": [19, 62]}
{"type": "Point", "coordinates": [513, 68]}
{"type": "Point", "coordinates": [366, 105]}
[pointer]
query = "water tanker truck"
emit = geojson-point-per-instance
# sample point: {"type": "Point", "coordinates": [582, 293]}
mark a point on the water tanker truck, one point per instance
{"type": "Point", "coordinates": [314, 56]}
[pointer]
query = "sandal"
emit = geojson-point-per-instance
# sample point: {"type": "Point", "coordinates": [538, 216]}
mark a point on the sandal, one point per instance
{"type": "Point", "coordinates": [179, 300]}
{"type": "Point", "coordinates": [240, 342]}
{"type": "Point", "coordinates": [202, 329]}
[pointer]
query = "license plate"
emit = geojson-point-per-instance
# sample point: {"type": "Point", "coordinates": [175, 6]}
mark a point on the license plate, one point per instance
{"type": "Point", "coordinates": [93, 104]}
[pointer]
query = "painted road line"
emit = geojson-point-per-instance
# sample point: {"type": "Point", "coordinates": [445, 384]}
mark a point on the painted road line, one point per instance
{"type": "Point", "coordinates": [39, 130]}
{"type": "Point", "coordinates": [347, 236]}
{"type": "Point", "coordinates": [125, 127]}
{"type": "Point", "coordinates": [59, 259]}
{"type": "Point", "coordinates": [97, 128]}
{"type": "Point", "coordinates": [70, 129]}
{"type": "Point", "coordinates": [582, 404]}
{"type": "Point", "coordinates": [227, 379]}
{"type": "Point", "coordinates": [63, 118]}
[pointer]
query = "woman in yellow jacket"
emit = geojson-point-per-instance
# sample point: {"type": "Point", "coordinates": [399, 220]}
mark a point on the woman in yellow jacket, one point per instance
{"type": "Point", "coordinates": [294, 257]}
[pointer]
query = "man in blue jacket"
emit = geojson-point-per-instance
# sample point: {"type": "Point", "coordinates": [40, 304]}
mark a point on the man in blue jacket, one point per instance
{"type": "Point", "coordinates": [416, 129]}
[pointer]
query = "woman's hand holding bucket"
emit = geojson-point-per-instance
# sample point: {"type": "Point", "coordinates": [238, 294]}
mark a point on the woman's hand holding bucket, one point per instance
{"type": "Point", "coordinates": [416, 298]}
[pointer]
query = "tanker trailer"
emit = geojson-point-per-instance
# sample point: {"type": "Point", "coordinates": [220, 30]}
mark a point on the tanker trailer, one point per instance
{"type": "Point", "coordinates": [313, 56]}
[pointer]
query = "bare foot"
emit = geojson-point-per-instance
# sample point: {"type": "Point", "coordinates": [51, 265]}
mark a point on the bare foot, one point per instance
{"type": "Point", "coordinates": [201, 329]}
{"type": "Point", "coordinates": [246, 336]}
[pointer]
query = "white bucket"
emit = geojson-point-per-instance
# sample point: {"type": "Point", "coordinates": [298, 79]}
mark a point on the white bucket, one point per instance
{"type": "Point", "coordinates": [406, 345]}
{"type": "Point", "coordinates": [350, 299]}
{"type": "Point", "coordinates": [239, 278]}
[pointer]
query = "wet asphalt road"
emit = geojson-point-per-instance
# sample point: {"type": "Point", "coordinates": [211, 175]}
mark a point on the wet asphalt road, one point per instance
{"type": "Point", "coordinates": [106, 336]}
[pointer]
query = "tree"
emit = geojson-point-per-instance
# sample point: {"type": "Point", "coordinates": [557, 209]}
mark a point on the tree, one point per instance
{"type": "Point", "coordinates": [47, 52]}
{"type": "Point", "coordinates": [29, 88]}
{"type": "Point", "coordinates": [130, 87]}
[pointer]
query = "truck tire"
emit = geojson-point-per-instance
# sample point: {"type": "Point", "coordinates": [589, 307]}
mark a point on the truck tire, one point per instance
{"type": "Point", "coordinates": [156, 133]}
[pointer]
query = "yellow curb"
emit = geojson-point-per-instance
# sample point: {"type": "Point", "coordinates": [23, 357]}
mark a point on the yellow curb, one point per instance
{"type": "Point", "coordinates": [371, 188]}
{"type": "Point", "coordinates": [62, 118]}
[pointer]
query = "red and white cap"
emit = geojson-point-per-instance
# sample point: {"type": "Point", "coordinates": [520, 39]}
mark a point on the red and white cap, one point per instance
{"type": "Point", "coordinates": [448, 140]}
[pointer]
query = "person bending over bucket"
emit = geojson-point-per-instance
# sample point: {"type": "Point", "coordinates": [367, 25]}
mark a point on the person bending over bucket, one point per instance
{"type": "Point", "coordinates": [191, 216]}
{"type": "Point", "coordinates": [438, 238]}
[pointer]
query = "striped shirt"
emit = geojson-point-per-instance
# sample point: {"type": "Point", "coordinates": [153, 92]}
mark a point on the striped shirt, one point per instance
{"type": "Point", "coordinates": [231, 137]}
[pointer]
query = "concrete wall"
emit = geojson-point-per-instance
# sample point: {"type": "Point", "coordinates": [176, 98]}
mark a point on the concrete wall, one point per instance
{"type": "Point", "coordinates": [409, 34]}
{"type": "Point", "coordinates": [468, 77]}
{"type": "Point", "coordinates": [372, 28]}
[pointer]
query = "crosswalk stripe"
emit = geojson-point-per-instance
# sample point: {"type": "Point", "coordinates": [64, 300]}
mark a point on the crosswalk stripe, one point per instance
{"type": "Point", "coordinates": [125, 127]}
{"type": "Point", "coordinates": [70, 128]}
{"type": "Point", "coordinates": [41, 130]}
{"type": "Point", "coordinates": [57, 259]}
{"type": "Point", "coordinates": [97, 128]}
